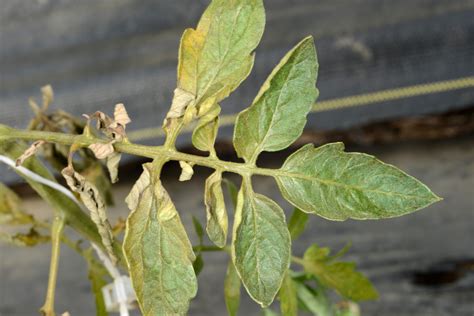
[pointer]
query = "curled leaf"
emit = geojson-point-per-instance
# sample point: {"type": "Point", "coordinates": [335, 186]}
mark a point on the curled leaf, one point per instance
{"type": "Point", "coordinates": [113, 161]}
{"type": "Point", "coordinates": [181, 100]}
{"type": "Point", "coordinates": [93, 201]}
{"type": "Point", "coordinates": [205, 133]}
{"type": "Point", "coordinates": [48, 96]}
{"type": "Point", "coordinates": [186, 171]}
{"type": "Point", "coordinates": [102, 150]}
{"type": "Point", "coordinates": [217, 222]}
{"type": "Point", "coordinates": [120, 115]}
{"type": "Point", "coordinates": [30, 152]}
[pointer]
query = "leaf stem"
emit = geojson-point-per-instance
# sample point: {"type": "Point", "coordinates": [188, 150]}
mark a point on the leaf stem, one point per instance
{"type": "Point", "coordinates": [165, 152]}
{"type": "Point", "coordinates": [56, 232]}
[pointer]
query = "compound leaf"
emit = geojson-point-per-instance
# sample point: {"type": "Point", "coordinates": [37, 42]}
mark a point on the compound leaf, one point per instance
{"type": "Point", "coordinates": [216, 57]}
{"type": "Point", "coordinates": [217, 222]}
{"type": "Point", "coordinates": [158, 252]}
{"type": "Point", "coordinates": [261, 244]}
{"type": "Point", "coordinates": [337, 185]}
{"type": "Point", "coordinates": [277, 116]}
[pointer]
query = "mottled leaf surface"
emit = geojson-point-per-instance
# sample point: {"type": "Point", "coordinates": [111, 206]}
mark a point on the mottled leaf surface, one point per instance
{"type": "Point", "coordinates": [217, 56]}
{"type": "Point", "coordinates": [277, 116]}
{"type": "Point", "coordinates": [337, 185]}
{"type": "Point", "coordinates": [158, 252]}
{"type": "Point", "coordinates": [261, 244]}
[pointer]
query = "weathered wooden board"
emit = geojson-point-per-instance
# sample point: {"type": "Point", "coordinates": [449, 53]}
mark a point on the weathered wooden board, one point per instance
{"type": "Point", "coordinates": [97, 53]}
{"type": "Point", "coordinates": [390, 252]}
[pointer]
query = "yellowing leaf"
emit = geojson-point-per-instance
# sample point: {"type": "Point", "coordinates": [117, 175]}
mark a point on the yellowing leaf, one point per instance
{"type": "Point", "coordinates": [31, 239]}
{"type": "Point", "coordinates": [260, 245]}
{"type": "Point", "coordinates": [217, 221]}
{"type": "Point", "coordinates": [216, 57]}
{"type": "Point", "coordinates": [277, 116]}
{"type": "Point", "coordinates": [93, 201]}
{"type": "Point", "coordinates": [337, 185]}
{"type": "Point", "coordinates": [205, 133]}
{"type": "Point", "coordinates": [288, 297]}
{"type": "Point", "coordinates": [11, 210]}
{"type": "Point", "coordinates": [232, 289]}
{"type": "Point", "coordinates": [158, 252]}
{"type": "Point", "coordinates": [340, 276]}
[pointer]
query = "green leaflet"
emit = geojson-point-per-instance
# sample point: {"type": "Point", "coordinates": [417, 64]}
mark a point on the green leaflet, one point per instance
{"type": "Point", "coordinates": [98, 276]}
{"type": "Point", "coordinates": [314, 301]}
{"type": "Point", "coordinates": [216, 57]}
{"type": "Point", "coordinates": [158, 252]}
{"type": "Point", "coordinates": [340, 276]}
{"type": "Point", "coordinates": [277, 116]}
{"type": "Point", "coordinates": [297, 223]}
{"type": "Point", "coordinates": [198, 264]}
{"type": "Point", "coordinates": [347, 309]}
{"type": "Point", "coordinates": [260, 245]}
{"type": "Point", "coordinates": [232, 190]}
{"type": "Point", "coordinates": [337, 185]}
{"type": "Point", "coordinates": [232, 289]}
{"type": "Point", "coordinates": [268, 312]}
{"type": "Point", "coordinates": [205, 133]}
{"type": "Point", "coordinates": [217, 221]}
{"type": "Point", "coordinates": [288, 297]}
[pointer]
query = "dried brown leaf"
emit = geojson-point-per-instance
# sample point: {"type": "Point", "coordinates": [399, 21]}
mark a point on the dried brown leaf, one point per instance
{"type": "Point", "coordinates": [29, 152]}
{"type": "Point", "coordinates": [93, 201]}
{"type": "Point", "coordinates": [101, 150]}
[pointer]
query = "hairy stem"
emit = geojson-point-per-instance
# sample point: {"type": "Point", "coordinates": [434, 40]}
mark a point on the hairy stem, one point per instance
{"type": "Point", "coordinates": [166, 152]}
{"type": "Point", "coordinates": [56, 232]}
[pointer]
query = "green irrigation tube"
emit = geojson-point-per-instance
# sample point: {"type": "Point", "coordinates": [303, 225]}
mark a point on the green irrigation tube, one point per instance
{"type": "Point", "coordinates": [339, 103]}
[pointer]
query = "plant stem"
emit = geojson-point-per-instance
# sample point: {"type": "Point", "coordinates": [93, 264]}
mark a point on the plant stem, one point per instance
{"type": "Point", "coordinates": [56, 232]}
{"type": "Point", "coordinates": [166, 152]}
